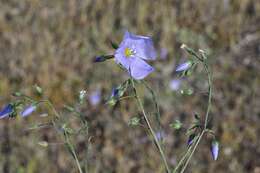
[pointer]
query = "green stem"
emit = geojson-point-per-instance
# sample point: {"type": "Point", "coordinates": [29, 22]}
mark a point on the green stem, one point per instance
{"type": "Point", "coordinates": [206, 115]}
{"type": "Point", "coordinates": [192, 152]}
{"type": "Point", "coordinates": [72, 151]}
{"type": "Point", "coordinates": [50, 105]}
{"type": "Point", "coordinates": [151, 129]}
{"type": "Point", "coordinates": [158, 115]}
{"type": "Point", "coordinates": [210, 94]}
{"type": "Point", "coordinates": [182, 159]}
{"type": "Point", "coordinates": [68, 143]}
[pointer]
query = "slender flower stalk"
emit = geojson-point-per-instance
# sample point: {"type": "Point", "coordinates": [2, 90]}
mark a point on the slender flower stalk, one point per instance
{"type": "Point", "coordinates": [66, 135]}
{"type": "Point", "coordinates": [204, 130]}
{"type": "Point", "coordinates": [150, 128]}
{"type": "Point", "coordinates": [72, 151]}
{"type": "Point", "coordinates": [192, 152]}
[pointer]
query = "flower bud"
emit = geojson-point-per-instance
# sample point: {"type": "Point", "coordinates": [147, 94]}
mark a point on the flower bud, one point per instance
{"type": "Point", "coordinates": [215, 149]}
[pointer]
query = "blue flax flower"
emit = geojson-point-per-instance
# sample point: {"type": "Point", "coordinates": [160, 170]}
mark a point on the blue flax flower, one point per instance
{"type": "Point", "coordinates": [184, 66]}
{"type": "Point", "coordinates": [28, 110]}
{"type": "Point", "coordinates": [6, 111]}
{"type": "Point", "coordinates": [132, 54]}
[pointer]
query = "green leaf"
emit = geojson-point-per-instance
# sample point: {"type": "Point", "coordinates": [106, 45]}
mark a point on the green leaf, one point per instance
{"type": "Point", "coordinates": [38, 89]}
{"type": "Point", "coordinates": [134, 121]}
{"type": "Point", "coordinates": [69, 108]}
{"type": "Point", "coordinates": [187, 92]}
{"type": "Point", "coordinates": [114, 45]}
{"type": "Point", "coordinates": [176, 125]}
{"type": "Point", "coordinates": [17, 94]}
{"type": "Point", "coordinates": [43, 143]}
{"type": "Point", "coordinates": [196, 116]}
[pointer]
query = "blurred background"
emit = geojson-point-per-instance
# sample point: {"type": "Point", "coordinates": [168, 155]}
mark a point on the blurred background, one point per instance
{"type": "Point", "coordinates": [51, 43]}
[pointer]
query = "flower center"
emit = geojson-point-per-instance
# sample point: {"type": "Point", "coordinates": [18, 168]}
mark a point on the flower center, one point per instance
{"type": "Point", "coordinates": [128, 52]}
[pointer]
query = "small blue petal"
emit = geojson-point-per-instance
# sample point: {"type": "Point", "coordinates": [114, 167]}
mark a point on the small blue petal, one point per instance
{"type": "Point", "coordinates": [144, 47]}
{"type": "Point", "coordinates": [28, 110]}
{"type": "Point", "coordinates": [183, 67]}
{"type": "Point", "coordinates": [215, 149]}
{"type": "Point", "coordinates": [6, 111]}
{"type": "Point", "coordinates": [120, 57]}
{"type": "Point", "coordinates": [140, 69]}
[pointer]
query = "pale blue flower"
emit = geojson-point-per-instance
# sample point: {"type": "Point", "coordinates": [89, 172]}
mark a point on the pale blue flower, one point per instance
{"type": "Point", "coordinates": [132, 53]}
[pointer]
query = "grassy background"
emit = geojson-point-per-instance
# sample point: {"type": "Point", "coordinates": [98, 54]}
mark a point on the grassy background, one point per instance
{"type": "Point", "coordinates": [52, 42]}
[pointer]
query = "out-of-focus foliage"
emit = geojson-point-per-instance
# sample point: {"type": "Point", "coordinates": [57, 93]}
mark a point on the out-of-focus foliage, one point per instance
{"type": "Point", "coordinates": [52, 43]}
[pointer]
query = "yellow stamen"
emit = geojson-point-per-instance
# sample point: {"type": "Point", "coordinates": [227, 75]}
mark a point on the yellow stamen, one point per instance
{"type": "Point", "coordinates": [128, 52]}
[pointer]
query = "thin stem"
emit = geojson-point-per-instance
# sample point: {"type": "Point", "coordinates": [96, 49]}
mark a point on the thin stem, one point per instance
{"type": "Point", "coordinates": [150, 128]}
{"type": "Point", "coordinates": [194, 148]}
{"type": "Point", "coordinates": [206, 115]}
{"type": "Point", "coordinates": [57, 115]}
{"type": "Point", "coordinates": [210, 94]}
{"type": "Point", "coordinates": [126, 97]}
{"type": "Point", "coordinates": [86, 129]}
{"type": "Point", "coordinates": [67, 140]}
{"type": "Point", "coordinates": [182, 159]}
{"type": "Point", "coordinates": [158, 115]}
{"type": "Point", "coordinates": [72, 151]}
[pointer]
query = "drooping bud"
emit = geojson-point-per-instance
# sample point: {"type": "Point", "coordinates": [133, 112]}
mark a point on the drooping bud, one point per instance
{"type": "Point", "coordinates": [102, 58]}
{"type": "Point", "coordinates": [191, 139]}
{"type": "Point", "coordinates": [6, 111]}
{"type": "Point", "coordinates": [184, 66]}
{"type": "Point", "coordinates": [28, 110]}
{"type": "Point", "coordinates": [215, 149]}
